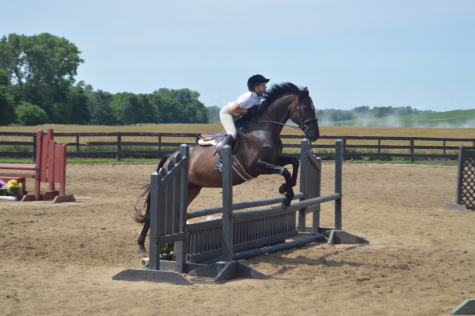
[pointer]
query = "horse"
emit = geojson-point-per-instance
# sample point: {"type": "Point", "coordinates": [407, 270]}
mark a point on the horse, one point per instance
{"type": "Point", "coordinates": [258, 150]}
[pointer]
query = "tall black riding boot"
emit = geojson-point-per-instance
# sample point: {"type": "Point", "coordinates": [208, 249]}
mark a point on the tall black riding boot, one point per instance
{"type": "Point", "coordinates": [228, 140]}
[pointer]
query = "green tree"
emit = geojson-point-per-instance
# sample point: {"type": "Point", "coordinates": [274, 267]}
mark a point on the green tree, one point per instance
{"type": "Point", "coordinates": [42, 67]}
{"type": "Point", "coordinates": [181, 95]}
{"type": "Point", "coordinates": [128, 108]}
{"type": "Point", "coordinates": [196, 112]}
{"type": "Point", "coordinates": [30, 115]}
{"type": "Point", "coordinates": [77, 100]}
{"type": "Point", "coordinates": [13, 59]}
{"type": "Point", "coordinates": [167, 109]}
{"type": "Point", "coordinates": [407, 110]}
{"type": "Point", "coordinates": [7, 106]}
{"type": "Point", "coordinates": [151, 113]}
{"type": "Point", "coordinates": [100, 110]}
{"type": "Point", "coordinates": [190, 110]}
{"type": "Point", "coordinates": [213, 114]}
{"type": "Point", "coordinates": [362, 110]}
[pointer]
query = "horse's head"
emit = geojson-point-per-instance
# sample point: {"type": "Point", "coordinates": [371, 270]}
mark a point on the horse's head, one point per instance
{"type": "Point", "coordinates": [303, 114]}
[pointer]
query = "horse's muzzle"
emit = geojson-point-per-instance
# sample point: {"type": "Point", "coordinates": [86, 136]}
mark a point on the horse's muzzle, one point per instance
{"type": "Point", "coordinates": [312, 135]}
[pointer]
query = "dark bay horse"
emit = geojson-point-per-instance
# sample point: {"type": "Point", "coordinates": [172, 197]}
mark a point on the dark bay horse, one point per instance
{"type": "Point", "coordinates": [259, 150]}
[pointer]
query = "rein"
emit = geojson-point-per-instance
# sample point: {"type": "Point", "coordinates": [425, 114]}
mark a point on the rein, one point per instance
{"type": "Point", "coordinates": [302, 127]}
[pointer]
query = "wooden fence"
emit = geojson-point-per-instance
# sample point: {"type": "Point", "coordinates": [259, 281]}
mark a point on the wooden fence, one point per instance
{"type": "Point", "coordinates": [120, 145]}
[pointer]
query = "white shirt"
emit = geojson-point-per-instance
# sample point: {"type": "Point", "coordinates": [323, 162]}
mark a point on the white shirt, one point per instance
{"type": "Point", "coordinates": [247, 100]}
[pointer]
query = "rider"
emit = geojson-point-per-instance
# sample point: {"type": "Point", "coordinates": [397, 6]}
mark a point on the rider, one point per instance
{"type": "Point", "coordinates": [230, 112]}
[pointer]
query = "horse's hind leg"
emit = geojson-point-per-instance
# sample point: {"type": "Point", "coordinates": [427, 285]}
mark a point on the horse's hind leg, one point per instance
{"type": "Point", "coordinates": [193, 191]}
{"type": "Point", "coordinates": [143, 234]}
{"type": "Point", "coordinates": [283, 161]}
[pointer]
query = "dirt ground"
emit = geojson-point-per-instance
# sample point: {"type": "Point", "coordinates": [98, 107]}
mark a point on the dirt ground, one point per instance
{"type": "Point", "coordinates": [59, 259]}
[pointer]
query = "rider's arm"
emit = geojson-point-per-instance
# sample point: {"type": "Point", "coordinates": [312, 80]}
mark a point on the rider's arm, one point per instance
{"type": "Point", "coordinates": [235, 108]}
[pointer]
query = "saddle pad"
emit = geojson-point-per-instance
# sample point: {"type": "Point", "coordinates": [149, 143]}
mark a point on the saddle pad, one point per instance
{"type": "Point", "coordinates": [204, 142]}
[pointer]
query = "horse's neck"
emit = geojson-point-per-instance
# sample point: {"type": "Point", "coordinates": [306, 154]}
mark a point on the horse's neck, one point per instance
{"type": "Point", "coordinates": [277, 112]}
{"type": "Point", "coordinates": [263, 131]}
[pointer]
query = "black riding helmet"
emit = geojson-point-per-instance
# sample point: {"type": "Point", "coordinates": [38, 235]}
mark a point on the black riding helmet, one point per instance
{"type": "Point", "coordinates": [256, 80]}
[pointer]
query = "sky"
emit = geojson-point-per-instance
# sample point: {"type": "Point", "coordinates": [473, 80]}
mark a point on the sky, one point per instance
{"type": "Point", "coordinates": [349, 53]}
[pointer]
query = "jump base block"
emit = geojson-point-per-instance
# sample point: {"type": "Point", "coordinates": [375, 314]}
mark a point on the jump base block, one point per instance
{"type": "Point", "coordinates": [157, 276]}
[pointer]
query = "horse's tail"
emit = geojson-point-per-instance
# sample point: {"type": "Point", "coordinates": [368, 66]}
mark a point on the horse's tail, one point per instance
{"type": "Point", "coordinates": [144, 194]}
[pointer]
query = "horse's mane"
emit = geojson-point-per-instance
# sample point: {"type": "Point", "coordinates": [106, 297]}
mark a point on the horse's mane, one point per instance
{"type": "Point", "coordinates": [278, 90]}
{"type": "Point", "coordinates": [275, 92]}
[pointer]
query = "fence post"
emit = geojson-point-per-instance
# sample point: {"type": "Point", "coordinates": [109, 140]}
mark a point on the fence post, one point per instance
{"type": "Point", "coordinates": [154, 249]}
{"type": "Point", "coordinates": [119, 147]}
{"type": "Point", "coordinates": [343, 150]}
{"type": "Point", "coordinates": [227, 205]}
{"type": "Point", "coordinates": [304, 148]}
{"type": "Point", "coordinates": [318, 184]}
{"type": "Point", "coordinates": [338, 182]}
{"type": "Point", "coordinates": [160, 145]}
{"type": "Point", "coordinates": [51, 160]}
{"type": "Point", "coordinates": [411, 150]}
{"type": "Point", "coordinates": [379, 145]}
{"type": "Point", "coordinates": [34, 149]}
{"type": "Point", "coordinates": [181, 245]}
{"type": "Point", "coordinates": [77, 143]}
{"type": "Point", "coordinates": [458, 200]}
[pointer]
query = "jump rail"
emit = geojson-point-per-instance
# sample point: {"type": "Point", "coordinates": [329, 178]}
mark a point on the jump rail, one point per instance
{"type": "Point", "coordinates": [236, 235]}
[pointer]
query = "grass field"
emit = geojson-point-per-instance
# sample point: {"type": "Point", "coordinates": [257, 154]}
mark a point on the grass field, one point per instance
{"type": "Point", "coordinates": [214, 128]}
{"type": "Point", "coordinates": [449, 119]}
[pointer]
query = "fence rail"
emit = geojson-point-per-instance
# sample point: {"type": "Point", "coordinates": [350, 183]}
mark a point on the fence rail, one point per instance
{"type": "Point", "coordinates": [121, 145]}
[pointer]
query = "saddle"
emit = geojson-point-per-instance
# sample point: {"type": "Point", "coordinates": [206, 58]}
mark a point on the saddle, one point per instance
{"type": "Point", "coordinates": [215, 141]}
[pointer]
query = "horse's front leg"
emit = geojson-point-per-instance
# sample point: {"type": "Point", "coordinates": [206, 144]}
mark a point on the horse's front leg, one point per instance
{"type": "Point", "coordinates": [287, 160]}
{"type": "Point", "coordinates": [266, 168]}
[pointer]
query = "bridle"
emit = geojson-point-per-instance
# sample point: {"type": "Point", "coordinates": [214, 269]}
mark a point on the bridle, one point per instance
{"type": "Point", "coordinates": [304, 124]}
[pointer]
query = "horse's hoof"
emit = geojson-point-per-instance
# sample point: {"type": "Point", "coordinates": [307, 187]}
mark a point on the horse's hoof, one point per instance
{"type": "Point", "coordinates": [282, 189]}
{"type": "Point", "coordinates": [284, 207]}
{"type": "Point", "coordinates": [142, 252]}
{"type": "Point", "coordinates": [285, 204]}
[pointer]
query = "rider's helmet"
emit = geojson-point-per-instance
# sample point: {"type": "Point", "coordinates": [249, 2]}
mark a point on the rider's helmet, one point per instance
{"type": "Point", "coordinates": [256, 80]}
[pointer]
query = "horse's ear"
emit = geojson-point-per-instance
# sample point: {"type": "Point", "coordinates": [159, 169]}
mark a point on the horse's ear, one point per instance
{"type": "Point", "coordinates": [305, 89]}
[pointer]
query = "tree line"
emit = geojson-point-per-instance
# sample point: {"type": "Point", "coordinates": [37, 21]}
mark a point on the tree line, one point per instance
{"type": "Point", "coordinates": [362, 112]}
{"type": "Point", "coordinates": [37, 86]}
